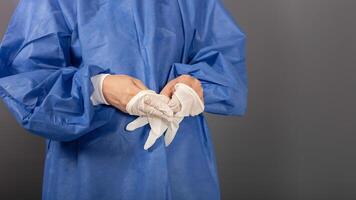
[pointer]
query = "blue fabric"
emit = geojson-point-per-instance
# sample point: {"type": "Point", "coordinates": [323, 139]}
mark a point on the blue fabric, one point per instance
{"type": "Point", "coordinates": [51, 50]}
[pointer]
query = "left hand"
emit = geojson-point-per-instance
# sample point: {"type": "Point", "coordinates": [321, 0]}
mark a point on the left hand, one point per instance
{"type": "Point", "coordinates": [192, 82]}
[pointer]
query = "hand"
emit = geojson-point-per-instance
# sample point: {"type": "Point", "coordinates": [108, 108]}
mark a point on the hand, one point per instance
{"type": "Point", "coordinates": [148, 103]}
{"type": "Point", "coordinates": [192, 82]}
{"type": "Point", "coordinates": [157, 124]}
{"type": "Point", "coordinates": [185, 102]}
{"type": "Point", "coordinates": [154, 120]}
{"type": "Point", "coordinates": [119, 89]}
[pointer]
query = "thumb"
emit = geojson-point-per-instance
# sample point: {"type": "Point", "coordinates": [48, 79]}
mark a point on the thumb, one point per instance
{"type": "Point", "coordinates": [137, 123]}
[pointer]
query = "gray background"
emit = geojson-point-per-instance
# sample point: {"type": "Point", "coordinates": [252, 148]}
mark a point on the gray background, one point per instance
{"type": "Point", "coordinates": [298, 139]}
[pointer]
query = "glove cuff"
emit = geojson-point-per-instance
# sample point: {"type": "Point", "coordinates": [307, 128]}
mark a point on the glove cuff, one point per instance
{"type": "Point", "coordinates": [196, 99]}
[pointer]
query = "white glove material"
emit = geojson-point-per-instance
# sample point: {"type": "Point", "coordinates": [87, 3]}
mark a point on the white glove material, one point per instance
{"type": "Point", "coordinates": [154, 121]}
{"type": "Point", "coordinates": [184, 102]}
{"type": "Point", "coordinates": [148, 102]}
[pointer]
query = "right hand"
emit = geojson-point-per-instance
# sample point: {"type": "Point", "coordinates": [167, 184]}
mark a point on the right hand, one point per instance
{"type": "Point", "coordinates": [119, 89]}
{"type": "Point", "coordinates": [188, 80]}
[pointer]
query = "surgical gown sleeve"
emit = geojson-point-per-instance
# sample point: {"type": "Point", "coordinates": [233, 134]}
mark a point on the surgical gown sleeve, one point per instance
{"type": "Point", "coordinates": [215, 55]}
{"type": "Point", "coordinates": [43, 86]}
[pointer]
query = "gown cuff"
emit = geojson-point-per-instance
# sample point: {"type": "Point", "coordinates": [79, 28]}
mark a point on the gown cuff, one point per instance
{"type": "Point", "coordinates": [97, 96]}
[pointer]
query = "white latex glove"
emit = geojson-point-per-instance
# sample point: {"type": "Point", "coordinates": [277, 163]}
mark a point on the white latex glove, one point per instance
{"type": "Point", "coordinates": [185, 102]}
{"type": "Point", "coordinates": [148, 102]}
{"type": "Point", "coordinates": [155, 122]}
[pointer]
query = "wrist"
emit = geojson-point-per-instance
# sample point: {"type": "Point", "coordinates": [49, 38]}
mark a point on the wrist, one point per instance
{"type": "Point", "coordinates": [97, 96]}
{"type": "Point", "coordinates": [104, 88]}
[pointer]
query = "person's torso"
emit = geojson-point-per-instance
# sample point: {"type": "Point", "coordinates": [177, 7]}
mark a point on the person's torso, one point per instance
{"type": "Point", "coordinates": [137, 38]}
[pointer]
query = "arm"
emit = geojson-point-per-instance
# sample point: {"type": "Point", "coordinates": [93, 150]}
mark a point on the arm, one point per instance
{"type": "Point", "coordinates": [215, 55]}
{"type": "Point", "coordinates": [47, 94]}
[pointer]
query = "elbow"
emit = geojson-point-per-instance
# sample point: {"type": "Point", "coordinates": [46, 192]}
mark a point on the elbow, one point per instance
{"type": "Point", "coordinates": [227, 101]}
{"type": "Point", "coordinates": [61, 129]}
{"type": "Point", "coordinates": [238, 109]}
{"type": "Point", "coordinates": [54, 129]}
{"type": "Point", "coordinates": [238, 104]}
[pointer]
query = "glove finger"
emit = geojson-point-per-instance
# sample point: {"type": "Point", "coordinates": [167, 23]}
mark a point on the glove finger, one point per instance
{"type": "Point", "coordinates": [152, 137]}
{"type": "Point", "coordinates": [137, 123]}
{"type": "Point", "coordinates": [171, 133]}
{"type": "Point", "coordinates": [159, 103]}
{"type": "Point", "coordinates": [174, 104]}
{"type": "Point", "coordinates": [157, 125]}
{"type": "Point", "coordinates": [152, 111]}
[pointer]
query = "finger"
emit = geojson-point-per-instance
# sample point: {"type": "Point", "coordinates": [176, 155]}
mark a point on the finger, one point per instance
{"type": "Point", "coordinates": [147, 109]}
{"type": "Point", "coordinates": [202, 97]}
{"type": "Point", "coordinates": [192, 82]}
{"type": "Point", "coordinates": [171, 133]}
{"type": "Point", "coordinates": [157, 125]}
{"type": "Point", "coordinates": [137, 123]}
{"type": "Point", "coordinates": [153, 112]}
{"type": "Point", "coordinates": [200, 92]}
{"type": "Point", "coordinates": [185, 78]}
{"type": "Point", "coordinates": [159, 105]}
{"type": "Point", "coordinates": [161, 111]}
{"type": "Point", "coordinates": [150, 140]}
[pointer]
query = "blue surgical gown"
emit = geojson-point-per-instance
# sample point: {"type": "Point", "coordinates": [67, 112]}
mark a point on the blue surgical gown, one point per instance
{"type": "Point", "coordinates": [53, 47]}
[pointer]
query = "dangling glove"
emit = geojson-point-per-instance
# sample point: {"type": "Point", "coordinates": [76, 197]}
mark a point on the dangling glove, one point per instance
{"type": "Point", "coordinates": [152, 109]}
{"type": "Point", "coordinates": [185, 102]}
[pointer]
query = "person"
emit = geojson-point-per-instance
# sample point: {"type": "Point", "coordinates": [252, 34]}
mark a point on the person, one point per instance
{"type": "Point", "coordinates": [68, 70]}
